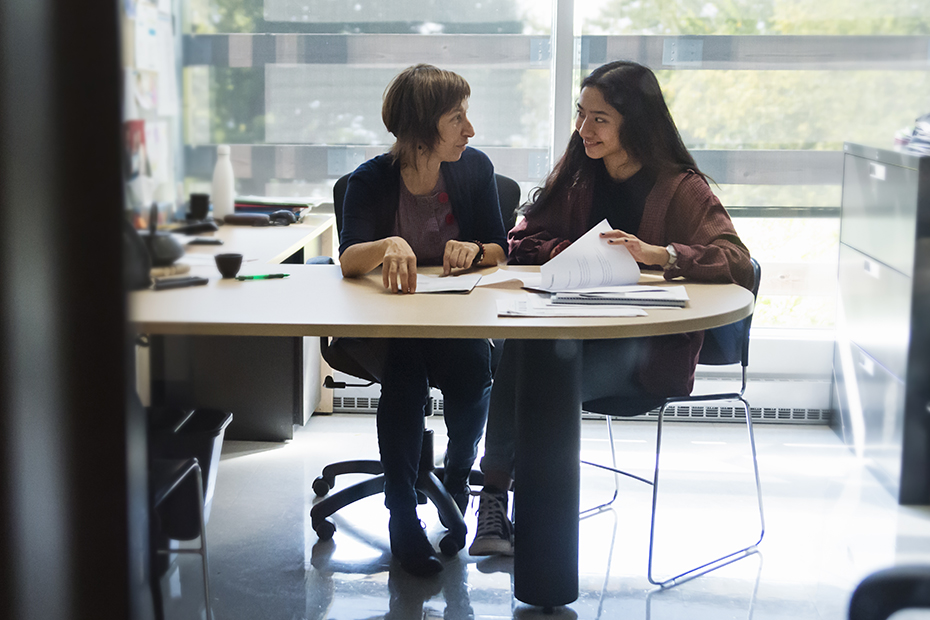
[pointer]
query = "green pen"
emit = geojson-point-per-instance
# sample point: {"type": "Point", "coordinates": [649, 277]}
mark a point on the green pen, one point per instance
{"type": "Point", "coordinates": [268, 276]}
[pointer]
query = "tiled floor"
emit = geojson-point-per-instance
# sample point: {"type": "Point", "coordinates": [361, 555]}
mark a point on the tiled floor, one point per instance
{"type": "Point", "coordinates": [828, 524]}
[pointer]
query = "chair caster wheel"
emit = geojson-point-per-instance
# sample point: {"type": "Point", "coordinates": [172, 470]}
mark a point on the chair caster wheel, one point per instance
{"type": "Point", "coordinates": [325, 529]}
{"type": "Point", "coordinates": [451, 544]}
{"type": "Point", "coordinates": [321, 487]}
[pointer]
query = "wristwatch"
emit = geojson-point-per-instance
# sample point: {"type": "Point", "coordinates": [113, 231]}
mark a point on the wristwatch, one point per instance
{"type": "Point", "coordinates": [672, 257]}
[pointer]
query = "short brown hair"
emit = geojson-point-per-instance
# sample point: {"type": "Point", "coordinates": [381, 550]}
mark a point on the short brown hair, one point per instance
{"type": "Point", "coordinates": [414, 102]}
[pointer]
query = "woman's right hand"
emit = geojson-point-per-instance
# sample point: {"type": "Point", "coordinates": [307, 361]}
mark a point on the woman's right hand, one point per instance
{"type": "Point", "coordinates": [399, 267]}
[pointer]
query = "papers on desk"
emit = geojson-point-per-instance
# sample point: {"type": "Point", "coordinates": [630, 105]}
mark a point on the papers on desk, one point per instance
{"type": "Point", "coordinates": [430, 283]}
{"type": "Point", "coordinates": [664, 296]}
{"type": "Point", "coordinates": [527, 279]}
{"type": "Point", "coordinates": [589, 278]}
{"type": "Point", "coordinates": [534, 305]}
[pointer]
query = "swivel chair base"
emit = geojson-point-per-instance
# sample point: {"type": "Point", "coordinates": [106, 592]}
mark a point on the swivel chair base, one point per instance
{"type": "Point", "coordinates": [429, 486]}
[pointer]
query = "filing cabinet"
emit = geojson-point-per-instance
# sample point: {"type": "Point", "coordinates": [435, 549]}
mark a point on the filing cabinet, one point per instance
{"type": "Point", "coordinates": [882, 352]}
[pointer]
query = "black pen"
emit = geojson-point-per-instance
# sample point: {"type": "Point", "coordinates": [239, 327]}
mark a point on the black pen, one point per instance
{"type": "Point", "coordinates": [267, 276]}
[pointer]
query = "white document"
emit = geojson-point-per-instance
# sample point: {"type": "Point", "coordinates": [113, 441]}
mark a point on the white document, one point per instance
{"type": "Point", "coordinates": [588, 262]}
{"type": "Point", "coordinates": [527, 279]}
{"type": "Point", "coordinates": [168, 99]}
{"type": "Point", "coordinates": [535, 306]}
{"type": "Point", "coordinates": [430, 283]}
{"type": "Point", "coordinates": [660, 296]}
{"type": "Point", "coordinates": [146, 37]}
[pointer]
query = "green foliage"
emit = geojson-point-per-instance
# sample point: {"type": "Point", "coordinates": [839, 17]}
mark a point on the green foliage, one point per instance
{"type": "Point", "coordinates": [793, 109]}
{"type": "Point", "coordinates": [238, 113]}
{"type": "Point", "coordinates": [748, 17]}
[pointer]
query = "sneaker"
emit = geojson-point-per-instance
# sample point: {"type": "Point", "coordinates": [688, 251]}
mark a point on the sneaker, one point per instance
{"type": "Point", "coordinates": [494, 535]}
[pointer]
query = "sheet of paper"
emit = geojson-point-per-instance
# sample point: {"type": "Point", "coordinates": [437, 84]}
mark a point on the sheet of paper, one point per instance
{"type": "Point", "coordinates": [590, 262]}
{"type": "Point", "coordinates": [528, 279]}
{"type": "Point", "coordinates": [158, 148]}
{"type": "Point", "coordinates": [430, 283]}
{"type": "Point", "coordinates": [535, 306]}
{"type": "Point", "coordinates": [168, 100]}
{"type": "Point", "coordinates": [671, 293]}
{"type": "Point", "coordinates": [146, 37]}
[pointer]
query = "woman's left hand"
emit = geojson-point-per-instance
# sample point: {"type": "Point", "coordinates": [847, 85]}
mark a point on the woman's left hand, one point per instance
{"type": "Point", "coordinates": [458, 255]}
{"type": "Point", "coordinates": [641, 251]}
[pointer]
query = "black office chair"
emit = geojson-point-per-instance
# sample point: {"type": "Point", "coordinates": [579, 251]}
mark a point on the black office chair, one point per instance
{"type": "Point", "coordinates": [890, 590]}
{"type": "Point", "coordinates": [364, 358]}
{"type": "Point", "coordinates": [724, 345]}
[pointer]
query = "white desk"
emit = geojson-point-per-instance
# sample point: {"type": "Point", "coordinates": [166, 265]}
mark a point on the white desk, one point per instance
{"type": "Point", "coordinates": [274, 382]}
{"type": "Point", "coordinates": [269, 244]}
{"type": "Point", "coordinates": [317, 301]}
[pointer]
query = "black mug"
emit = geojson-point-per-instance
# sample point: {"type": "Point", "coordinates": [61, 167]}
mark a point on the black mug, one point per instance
{"type": "Point", "coordinates": [199, 206]}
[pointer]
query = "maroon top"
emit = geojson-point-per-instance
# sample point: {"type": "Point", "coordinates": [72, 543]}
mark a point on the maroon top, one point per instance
{"type": "Point", "coordinates": [680, 210]}
{"type": "Point", "coordinates": [426, 222]}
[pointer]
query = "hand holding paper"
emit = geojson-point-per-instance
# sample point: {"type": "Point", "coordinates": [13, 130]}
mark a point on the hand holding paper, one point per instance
{"type": "Point", "coordinates": [590, 262]}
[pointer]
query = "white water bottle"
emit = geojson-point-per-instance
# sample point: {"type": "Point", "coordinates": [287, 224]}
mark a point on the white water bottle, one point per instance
{"type": "Point", "coordinates": [224, 184]}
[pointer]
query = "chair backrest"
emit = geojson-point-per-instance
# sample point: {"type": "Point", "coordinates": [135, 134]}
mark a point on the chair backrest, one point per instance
{"type": "Point", "coordinates": [729, 344]}
{"type": "Point", "coordinates": [339, 197]}
{"type": "Point", "coordinates": [508, 194]}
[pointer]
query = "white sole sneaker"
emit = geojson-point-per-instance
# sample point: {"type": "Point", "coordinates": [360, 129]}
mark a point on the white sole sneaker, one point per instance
{"type": "Point", "coordinates": [490, 546]}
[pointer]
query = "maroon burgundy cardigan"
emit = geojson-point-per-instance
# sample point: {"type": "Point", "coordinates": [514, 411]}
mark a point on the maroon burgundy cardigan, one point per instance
{"type": "Point", "coordinates": [680, 210]}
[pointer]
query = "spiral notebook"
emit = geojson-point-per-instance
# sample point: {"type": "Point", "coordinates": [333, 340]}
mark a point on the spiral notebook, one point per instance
{"type": "Point", "coordinates": [655, 296]}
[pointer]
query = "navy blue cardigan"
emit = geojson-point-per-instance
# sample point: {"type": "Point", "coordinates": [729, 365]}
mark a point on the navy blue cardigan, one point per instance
{"type": "Point", "coordinates": [373, 195]}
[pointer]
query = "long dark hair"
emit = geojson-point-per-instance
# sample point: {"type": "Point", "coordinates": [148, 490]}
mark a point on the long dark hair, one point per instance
{"type": "Point", "coordinates": [647, 133]}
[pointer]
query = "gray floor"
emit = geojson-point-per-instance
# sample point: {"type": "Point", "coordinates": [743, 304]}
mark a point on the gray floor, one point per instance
{"type": "Point", "coordinates": [828, 524]}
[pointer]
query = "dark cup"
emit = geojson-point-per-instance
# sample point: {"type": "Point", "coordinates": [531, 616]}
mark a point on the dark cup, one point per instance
{"type": "Point", "coordinates": [228, 264]}
{"type": "Point", "coordinates": [199, 206]}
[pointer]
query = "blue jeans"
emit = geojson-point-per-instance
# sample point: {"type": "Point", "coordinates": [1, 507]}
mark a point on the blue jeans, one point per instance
{"type": "Point", "coordinates": [608, 369]}
{"type": "Point", "coordinates": [461, 369]}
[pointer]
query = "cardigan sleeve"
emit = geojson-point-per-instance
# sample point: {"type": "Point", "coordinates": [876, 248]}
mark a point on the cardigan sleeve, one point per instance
{"type": "Point", "coordinates": [530, 243]}
{"type": "Point", "coordinates": [362, 208]}
{"type": "Point", "coordinates": [486, 224]}
{"type": "Point", "coordinates": [534, 237]}
{"type": "Point", "coordinates": [701, 231]}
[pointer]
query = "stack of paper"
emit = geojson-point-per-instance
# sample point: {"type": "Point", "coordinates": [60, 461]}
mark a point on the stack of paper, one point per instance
{"type": "Point", "coordinates": [665, 296]}
{"type": "Point", "coordinates": [267, 204]}
{"type": "Point", "coordinates": [592, 278]}
{"type": "Point", "coordinates": [535, 306]}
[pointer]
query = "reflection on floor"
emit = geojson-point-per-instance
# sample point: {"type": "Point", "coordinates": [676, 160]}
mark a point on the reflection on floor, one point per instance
{"type": "Point", "coordinates": [828, 524]}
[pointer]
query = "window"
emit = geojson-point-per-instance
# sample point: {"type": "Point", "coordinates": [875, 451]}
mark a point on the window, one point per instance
{"type": "Point", "coordinates": [296, 87]}
{"type": "Point", "coordinates": [764, 92]}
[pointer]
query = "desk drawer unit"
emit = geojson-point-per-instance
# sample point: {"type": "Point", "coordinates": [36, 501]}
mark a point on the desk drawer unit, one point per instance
{"type": "Point", "coordinates": [880, 210]}
{"type": "Point", "coordinates": [882, 353]}
{"type": "Point", "coordinates": [876, 304]}
{"type": "Point", "coordinates": [880, 398]}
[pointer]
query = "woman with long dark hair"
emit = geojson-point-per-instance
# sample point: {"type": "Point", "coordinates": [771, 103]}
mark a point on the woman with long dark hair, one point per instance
{"type": "Point", "coordinates": [625, 162]}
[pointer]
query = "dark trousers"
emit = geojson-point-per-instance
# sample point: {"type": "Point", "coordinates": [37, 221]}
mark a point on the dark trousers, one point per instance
{"type": "Point", "coordinates": [608, 369]}
{"type": "Point", "coordinates": [461, 369]}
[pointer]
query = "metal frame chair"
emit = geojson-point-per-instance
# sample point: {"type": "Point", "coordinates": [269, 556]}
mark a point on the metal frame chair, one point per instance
{"type": "Point", "coordinates": [177, 501]}
{"type": "Point", "coordinates": [723, 345]}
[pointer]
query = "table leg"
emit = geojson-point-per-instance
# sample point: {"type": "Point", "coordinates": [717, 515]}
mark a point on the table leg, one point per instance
{"type": "Point", "coordinates": [547, 472]}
